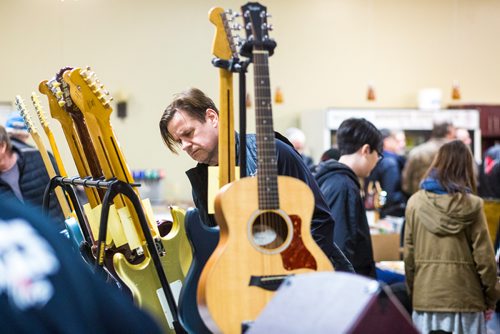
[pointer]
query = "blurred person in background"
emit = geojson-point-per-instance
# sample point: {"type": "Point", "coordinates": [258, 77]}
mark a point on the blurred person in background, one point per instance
{"type": "Point", "coordinates": [388, 173]}
{"type": "Point", "coordinates": [298, 140]}
{"type": "Point", "coordinates": [23, 175]}
{"type": "Point", "coordinates": [421, 156]}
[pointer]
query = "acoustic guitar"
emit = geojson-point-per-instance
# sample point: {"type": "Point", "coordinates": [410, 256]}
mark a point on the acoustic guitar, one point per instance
{"type": "Point", "coordinates": [204, 238]}
{"type": "Point", "coordinates": [264, 221]}
{"type": "Point", "coordinates": [88, 94]}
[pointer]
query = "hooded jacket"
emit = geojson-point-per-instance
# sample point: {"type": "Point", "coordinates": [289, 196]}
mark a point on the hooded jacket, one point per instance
{"type": "Point", "coordinates": [341, 189]}
{"type": "Point", "coordinates": [449, 259]}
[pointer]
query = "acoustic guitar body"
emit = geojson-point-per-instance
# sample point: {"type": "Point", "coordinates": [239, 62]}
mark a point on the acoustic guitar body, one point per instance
{"type": "Point", "coordinates": [257, 250]}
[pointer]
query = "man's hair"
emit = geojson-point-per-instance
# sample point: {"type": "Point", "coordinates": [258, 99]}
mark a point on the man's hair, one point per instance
{"type": "Point", "coordinates": [193, 102]}
{"type": "Point", "coordinates": [440, 129]}
{"type": "Point", "coordinates": [453, 167]}
{"type": "Point", "coordinates": [4, 138]}
{"type": "Point", "coordinates": [353, 133]}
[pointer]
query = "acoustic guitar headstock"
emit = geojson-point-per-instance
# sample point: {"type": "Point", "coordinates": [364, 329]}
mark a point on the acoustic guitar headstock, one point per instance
{"type": "Point", "coordinates": [257, 29]}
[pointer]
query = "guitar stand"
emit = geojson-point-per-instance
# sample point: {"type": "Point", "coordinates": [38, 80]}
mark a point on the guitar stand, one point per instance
{"type": "Point", "coordinates": [236, 65]}
{"type": "Point", "coordinates": [116, 187]}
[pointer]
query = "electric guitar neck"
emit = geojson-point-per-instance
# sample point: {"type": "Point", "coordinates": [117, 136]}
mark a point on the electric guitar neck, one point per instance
{"type": "Point", "coordinates": [224, 50]}
{"type": "Point", "coordinates": [88, 95]}
{"type": "Point", "coordinates": [54, 95]}
{"type": "Point", "coordinates": [61, 198]}
{"type": "Point", "coordinates": [48, 132]}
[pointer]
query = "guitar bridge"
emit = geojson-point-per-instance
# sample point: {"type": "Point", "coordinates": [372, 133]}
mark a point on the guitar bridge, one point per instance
{"type": "Point", "coordinates": [268, 282]}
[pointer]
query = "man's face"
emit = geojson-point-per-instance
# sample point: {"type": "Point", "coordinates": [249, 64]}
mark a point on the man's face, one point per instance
{"type": "Point", "coordinates": [199, 140]}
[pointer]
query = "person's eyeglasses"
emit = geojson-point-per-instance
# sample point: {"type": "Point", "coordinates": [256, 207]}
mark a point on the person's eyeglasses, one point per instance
{"type": "Point", "coordinates": [380, 155]}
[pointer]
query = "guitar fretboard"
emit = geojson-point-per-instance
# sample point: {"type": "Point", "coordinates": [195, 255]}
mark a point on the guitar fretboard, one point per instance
{"type": "Point", "coordinates": [266, 148]}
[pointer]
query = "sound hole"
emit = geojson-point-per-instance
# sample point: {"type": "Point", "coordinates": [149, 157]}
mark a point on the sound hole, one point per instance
{"type": "Point", "coordinates": [269, 230]}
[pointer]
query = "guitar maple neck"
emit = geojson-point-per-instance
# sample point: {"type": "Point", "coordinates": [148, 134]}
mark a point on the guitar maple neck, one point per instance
{"type": "Point", "coordinates": [267, 172]}
{"type": "Point", "coordinates": [83, 134]}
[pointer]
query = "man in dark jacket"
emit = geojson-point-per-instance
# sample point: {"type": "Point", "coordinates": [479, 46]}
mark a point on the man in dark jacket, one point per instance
{"type": "Point", "coordinates": [388, 173]}
{"type": "Point", "coordinates": [191, 122]}
{"type": "Point", "coordinates": [360, 145]}
{"type": "Point", "coordinates": [23, 175]}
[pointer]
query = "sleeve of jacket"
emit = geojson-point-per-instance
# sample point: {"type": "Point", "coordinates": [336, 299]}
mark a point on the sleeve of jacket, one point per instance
{"type": "Point", "coordinates": [343, 208]}
{"type": "Point", "coordinates": [407, 176]}
{"type": "Point", "coordinates": [390, 181]}
{"type": "Point", "coordinates": [484, 258]}
{"type": "Point", "coordinates": [408, 255]}
{"type": "Point", "coordinates": [322, 225]}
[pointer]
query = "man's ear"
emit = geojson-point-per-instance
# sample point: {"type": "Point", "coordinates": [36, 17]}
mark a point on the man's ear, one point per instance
{"type": "Point", "coordinates": [365, 149]}
{"type": "Point", "coordinates": [212, 117]}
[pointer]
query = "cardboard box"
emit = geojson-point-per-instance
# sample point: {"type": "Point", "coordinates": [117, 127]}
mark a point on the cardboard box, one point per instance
{"type": "Point", "coordinates": [386, 247]}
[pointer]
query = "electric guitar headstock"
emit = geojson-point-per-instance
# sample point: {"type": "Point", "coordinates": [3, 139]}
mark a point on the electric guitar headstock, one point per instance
{"type": "Point", "coordinates": [40, 112]}
{"type": "Point", "coordinates": [21, 108]}
{"type": "Point", "coordinates": [52, 89]}
{"type": "Point", "coordinates": [224, 46]}
{"type": "Point", "coordinates": [257, 29]}
{"type": "Point", "coordinates": [88, 93]}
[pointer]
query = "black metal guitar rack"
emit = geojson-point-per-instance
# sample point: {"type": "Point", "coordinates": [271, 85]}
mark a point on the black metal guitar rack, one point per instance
{"type": "Point", "coordinates": [114, 188]}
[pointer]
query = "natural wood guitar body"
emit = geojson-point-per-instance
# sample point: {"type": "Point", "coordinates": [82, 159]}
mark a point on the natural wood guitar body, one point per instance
{"type": "Point", "coordinates": [224, 284]}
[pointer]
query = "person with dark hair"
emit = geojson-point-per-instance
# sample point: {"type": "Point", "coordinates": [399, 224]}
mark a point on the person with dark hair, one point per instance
{"type": "Point", "coordinates": [360, 145]}
{"type": "Point", "coordinates": [421, 156]}
{"type": "Point", "coordinates": [449, 260]}
{"type": "Point", "coordinates": [45, 287]}
{"type": "Point", "coordinates": [23, 175]}
{"type": "Point", "coordinates": [331, 153]}
{"type": "Point", "coordinates": [191, 122]}
{"type": "Point", "coordinates": [388, 173]}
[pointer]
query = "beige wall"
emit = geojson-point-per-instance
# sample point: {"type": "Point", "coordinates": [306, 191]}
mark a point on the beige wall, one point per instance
{"type": "Point", "coordinates": [328, 50]}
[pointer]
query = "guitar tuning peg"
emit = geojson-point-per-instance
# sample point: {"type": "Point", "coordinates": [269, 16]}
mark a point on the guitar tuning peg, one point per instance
{"type": "Point", "coordinates": [236, 26]}
{"type": "Point", "coordinates": [270, 27]}
{"type": "Point", "coordinates": [61, 103]}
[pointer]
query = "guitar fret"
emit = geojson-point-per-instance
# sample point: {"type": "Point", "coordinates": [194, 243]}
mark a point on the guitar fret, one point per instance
{"type": "Point", "coordinates": [266, 146]}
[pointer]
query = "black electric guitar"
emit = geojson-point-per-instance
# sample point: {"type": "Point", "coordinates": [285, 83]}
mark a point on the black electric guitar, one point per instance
{"type": "Point", "coordinates": [264, 221]}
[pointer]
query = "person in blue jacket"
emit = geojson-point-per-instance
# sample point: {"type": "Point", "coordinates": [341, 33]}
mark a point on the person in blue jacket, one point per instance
{"type": "Point", "coordinates": [360, 145]}
{"type": "Point", "coordinates": [191, 123]}
{"type": "Point", "coordinates": [388, 173]}
{"type": "Point", "coordinates": [46, 288]}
